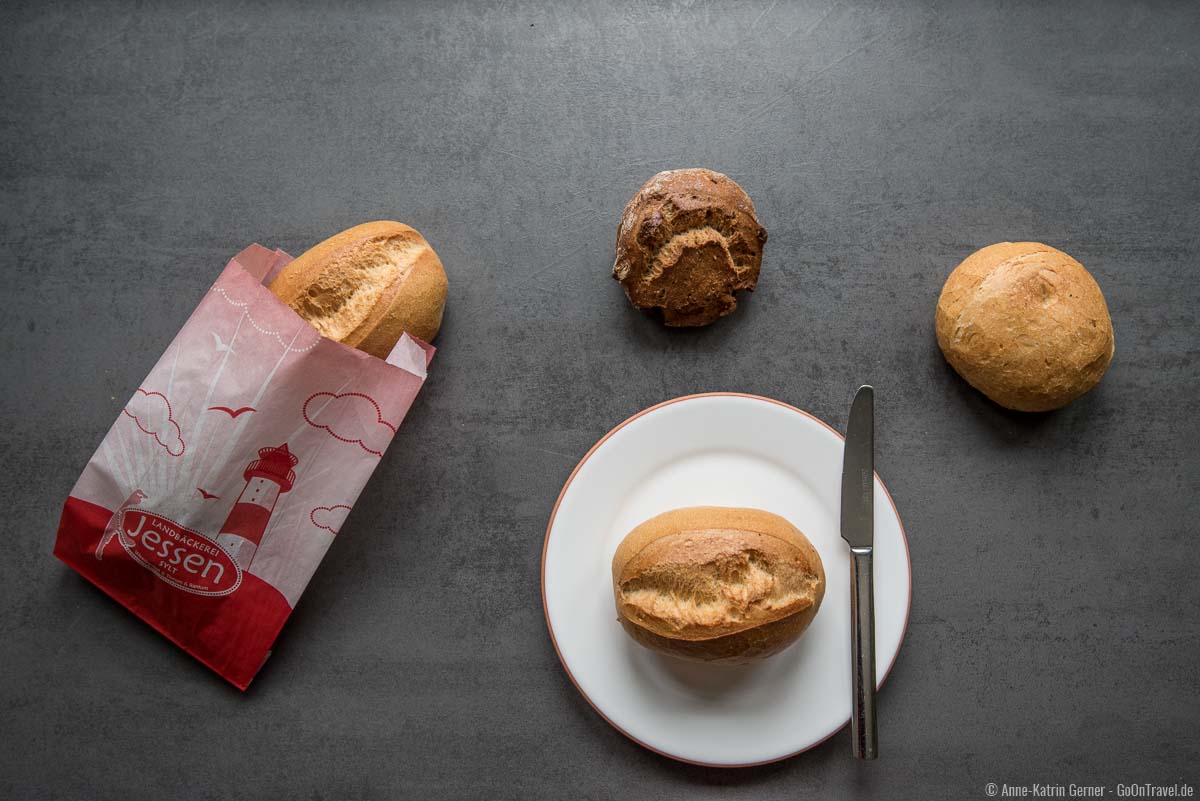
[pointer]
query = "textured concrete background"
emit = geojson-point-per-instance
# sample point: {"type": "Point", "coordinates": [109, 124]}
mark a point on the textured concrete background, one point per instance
{"type": "Point", "coordinates": [1055, 627]}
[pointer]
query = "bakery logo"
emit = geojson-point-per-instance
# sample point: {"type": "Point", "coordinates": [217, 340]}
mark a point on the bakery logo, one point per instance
{"type": "Point", "coordinates": [195, 562]}
{"type": "Point", "coordinates": [185, 559]}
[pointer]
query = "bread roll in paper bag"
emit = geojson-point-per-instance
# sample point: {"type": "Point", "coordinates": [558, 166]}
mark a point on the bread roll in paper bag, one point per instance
{"type": "Point", "coordinates": [229, 472]}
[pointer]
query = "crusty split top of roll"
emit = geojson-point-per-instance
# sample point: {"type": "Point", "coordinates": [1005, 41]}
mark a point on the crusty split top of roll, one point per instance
{"type": "Point", "coordinates": [688, 240]}
{"type": "Point", "coordinates": [367, 286]}
{"type": "Point", "coordinates": [717, 584]}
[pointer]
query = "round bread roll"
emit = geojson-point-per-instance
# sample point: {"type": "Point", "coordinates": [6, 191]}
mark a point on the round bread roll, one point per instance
{"type": "Point", "coordinates": [1026, 325]}
{"type": "Point", "coordinates": [367, 286]}
{"type": "Point", "coordinates": [688, 240]}
{"type": "Point", "coordinates": [717, 584]}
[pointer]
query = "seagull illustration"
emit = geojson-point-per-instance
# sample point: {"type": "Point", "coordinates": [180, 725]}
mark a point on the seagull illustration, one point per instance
{"type": "Point", "coordinates": [219, 344]}
{"type": "Point", "coordinates": [114, 524]}
{"type": "Point", "coordinates": [232, 412]}
{"type": "Point", "coordinates": [208, 496]}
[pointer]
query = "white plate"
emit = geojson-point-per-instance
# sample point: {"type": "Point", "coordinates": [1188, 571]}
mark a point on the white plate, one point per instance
{"type": "Point", "coordinates": [720, 449]}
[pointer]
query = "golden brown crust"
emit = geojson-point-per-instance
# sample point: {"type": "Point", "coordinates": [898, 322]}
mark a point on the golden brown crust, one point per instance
{"type": "Point", "coordinates": [687, 241]}
{"type": "Point", "coordinates": [717, 584]}
{"type": "Point", "coordinates": [749, 645]}
{"type": "Point", "coordinates": [368, 285]}
{"type": "Point", "coordinates": [1026, 325]}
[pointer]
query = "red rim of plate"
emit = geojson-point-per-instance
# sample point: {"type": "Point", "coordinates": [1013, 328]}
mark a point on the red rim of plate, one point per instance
{"type": "Point", "coordinates": [546, 545]}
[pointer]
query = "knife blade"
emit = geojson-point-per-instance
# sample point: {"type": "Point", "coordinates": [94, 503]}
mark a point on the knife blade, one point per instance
{"type": "Point", "coordinates": [858, 530]}
{"type": "Point", "coordinates": [858, 472]}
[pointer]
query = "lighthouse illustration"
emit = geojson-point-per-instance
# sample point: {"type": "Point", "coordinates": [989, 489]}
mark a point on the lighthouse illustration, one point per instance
{"type": "Point", "coordinates": [266, 478]}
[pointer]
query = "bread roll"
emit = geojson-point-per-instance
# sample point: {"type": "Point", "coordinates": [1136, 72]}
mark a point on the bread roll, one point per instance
{"type": "Point", "coordinates": [688, 240]}
{"type": "Point", "coordinates": [367, 286]}
{"type": "Point", "coordinates": [717, 584]}
{"type": "Point", "coordinates": [1026, 325]}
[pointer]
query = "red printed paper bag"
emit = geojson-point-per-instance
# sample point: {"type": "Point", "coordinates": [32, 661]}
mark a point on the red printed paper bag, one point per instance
{"type": "Point", "coordinates": [220, 486]}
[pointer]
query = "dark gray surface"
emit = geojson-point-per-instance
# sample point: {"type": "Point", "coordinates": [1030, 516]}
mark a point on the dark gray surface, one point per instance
{"type": "Point", "coordinates": [1055, 627]}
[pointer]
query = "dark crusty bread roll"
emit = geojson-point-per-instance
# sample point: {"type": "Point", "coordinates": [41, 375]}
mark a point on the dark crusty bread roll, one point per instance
{"type": "Point", "coordinates": [717, 584]}
{"type": "Point", "coordinates": [367, 286]}
{"type": "Point", "coordinates": [687, 241]}
{"type": "Point", "coordinates": [1026, 325]}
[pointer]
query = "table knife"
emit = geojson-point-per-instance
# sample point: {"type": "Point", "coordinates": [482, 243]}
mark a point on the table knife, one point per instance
{"type": "Point", "coordinates": [858, 530]}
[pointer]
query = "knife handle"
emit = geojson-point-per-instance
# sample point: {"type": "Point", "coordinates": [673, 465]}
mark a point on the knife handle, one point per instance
{"type": "Point", "coordinates": [862, 652]}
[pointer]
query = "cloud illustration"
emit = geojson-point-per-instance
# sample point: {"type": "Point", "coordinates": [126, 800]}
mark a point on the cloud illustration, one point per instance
{"type": "Point", "coordinates": [351, 417]}
{"type": "Point", "coordinates": [151, 412]}
{"type": "Point", "coordinates": [329, 518]}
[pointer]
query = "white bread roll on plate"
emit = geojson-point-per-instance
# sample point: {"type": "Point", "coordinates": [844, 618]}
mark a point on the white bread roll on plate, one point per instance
{"type": "Point", "coordinates": [717, 584]}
